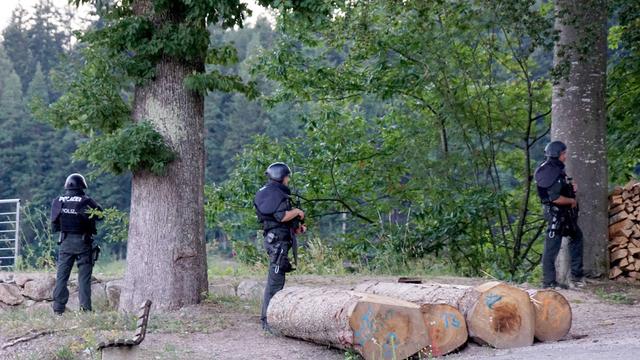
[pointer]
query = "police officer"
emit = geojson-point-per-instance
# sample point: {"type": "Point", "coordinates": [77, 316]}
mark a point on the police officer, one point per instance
{"type": "Point", "coordinates": [558, 196]}
{"type": "Point", "coordinates": [280, 222]}
{"type": "Point", "coordinates": [69, 216]}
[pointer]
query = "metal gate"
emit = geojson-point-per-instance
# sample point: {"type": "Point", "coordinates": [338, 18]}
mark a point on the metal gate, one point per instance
{"type": "Point", "coordinates": [9, 232]}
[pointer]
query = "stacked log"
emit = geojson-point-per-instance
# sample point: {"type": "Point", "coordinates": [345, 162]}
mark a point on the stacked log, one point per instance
{"type": "Point", "coordinates": [624, 232]}
{"type": "Point", "coordinates": [553, 314]}
{"type": "Point", "coordinates": [496, 314]}
{"type": "Point", "coordinates": [377, 327]}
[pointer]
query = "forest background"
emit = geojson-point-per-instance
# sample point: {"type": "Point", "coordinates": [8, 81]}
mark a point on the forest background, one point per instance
{"type": "Point", "coordinates": [412, 142]}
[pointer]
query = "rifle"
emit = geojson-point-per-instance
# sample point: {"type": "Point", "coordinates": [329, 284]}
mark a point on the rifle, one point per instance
{"type": "Point", "coordinates": [297, 222]}
{"type": "Point", "coordinates": [572, 212]}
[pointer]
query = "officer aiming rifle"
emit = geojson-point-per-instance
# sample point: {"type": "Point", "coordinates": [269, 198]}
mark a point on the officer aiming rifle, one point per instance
{"type": "Point", "coordinates": [281, 222]}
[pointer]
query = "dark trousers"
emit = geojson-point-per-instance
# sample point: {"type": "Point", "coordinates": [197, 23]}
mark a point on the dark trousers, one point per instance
{"type": "Point", "coordinates": [275, 283]}
{"type": "Point", "coordinates": [551, 249]}
{"type": "Point", "coordinates": [73, 249]}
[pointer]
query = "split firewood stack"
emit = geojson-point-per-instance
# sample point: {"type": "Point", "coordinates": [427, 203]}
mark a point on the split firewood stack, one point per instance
{"type": "Point", "coordinates": [624, 232]}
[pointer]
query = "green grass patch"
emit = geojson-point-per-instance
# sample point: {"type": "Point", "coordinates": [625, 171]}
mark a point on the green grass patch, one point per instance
{"type": "Point", "coordinates": [110, 269]}
{"type": "Point", "coordinates": [615, 297]}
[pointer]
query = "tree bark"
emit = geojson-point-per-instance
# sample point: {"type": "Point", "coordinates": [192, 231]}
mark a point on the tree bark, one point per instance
{"type": "Point", "coordinates": [496, 314]}
{"type": "Point", "coordinates": [377, 327]}
{"type": "Point", "coordinates": [579, 118]}
{"type": "Point", "coordinates": [553, 314]}
{"type": "Point", "coordinates": [166, 255]}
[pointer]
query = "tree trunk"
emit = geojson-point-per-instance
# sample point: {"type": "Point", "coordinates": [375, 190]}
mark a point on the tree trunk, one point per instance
{"type": "Point", "coordinates": [496, 314]}
{"type": "Point", "coordinates": [563, 263]}
{"type": "Point", "coordinates": [579, 118]}
{"type": "Point", "coordinates": [166, 256]}
{"type": "Point", "coordinates": [553, 314]}
{"type": "Point", "coordinates": [375, 326]}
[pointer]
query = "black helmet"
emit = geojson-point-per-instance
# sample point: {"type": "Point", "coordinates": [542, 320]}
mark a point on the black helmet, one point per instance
{"type": "Point", "coordinates": [75, 182]}
{"type": "Point", "coordinates": [554, 149]}
{"type": "Point", "coordinates": [277, 171]}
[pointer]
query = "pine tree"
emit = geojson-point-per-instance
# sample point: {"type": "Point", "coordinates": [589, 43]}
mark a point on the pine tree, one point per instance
{"type": "Point", "coordinates": [38, 88]}
{"type": "Point", "coordinates": [15, 44]}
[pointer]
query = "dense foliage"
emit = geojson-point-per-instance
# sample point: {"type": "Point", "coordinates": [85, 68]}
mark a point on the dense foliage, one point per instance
{"type": "Point", "coordinates": [426, 121]}
{"type": "Point", "coordinates": [412, 127]}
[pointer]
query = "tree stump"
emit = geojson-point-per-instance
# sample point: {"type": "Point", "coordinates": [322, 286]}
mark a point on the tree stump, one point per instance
{"type": "Point", "coordinates": [377, 327]}
{"type": "Point", "coordinates": [553, 314]}
{"type": "Point", "coordinates": [496, 314]}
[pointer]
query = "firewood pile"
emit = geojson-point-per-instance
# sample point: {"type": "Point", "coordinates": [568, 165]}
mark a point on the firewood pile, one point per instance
{"type": "Point", "coordinates": [624, 232]}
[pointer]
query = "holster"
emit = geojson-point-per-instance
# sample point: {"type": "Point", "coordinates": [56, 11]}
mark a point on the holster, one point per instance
{"type": "Point", "coordinates": [95, 254]}
{"type": "Point", "coordinates": [277, 251]}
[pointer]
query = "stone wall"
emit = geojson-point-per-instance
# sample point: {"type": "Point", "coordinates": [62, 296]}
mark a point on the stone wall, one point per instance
{"type": "Point", "coordinates": [35, 290]}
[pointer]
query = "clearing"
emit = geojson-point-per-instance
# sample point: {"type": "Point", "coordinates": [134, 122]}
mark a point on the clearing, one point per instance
{"type": "Point", "coordinates": [606, 325]}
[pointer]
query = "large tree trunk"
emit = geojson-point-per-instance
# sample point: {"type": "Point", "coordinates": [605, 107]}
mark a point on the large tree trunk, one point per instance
{"type": "Point", "coordinates": [377, 327]}
{"type": "Point", "coordinates": [496, 314]}
{"type": "Point", "coordinates": [579, 118]}
{"type": "Point", "coordinates": [166, 257]}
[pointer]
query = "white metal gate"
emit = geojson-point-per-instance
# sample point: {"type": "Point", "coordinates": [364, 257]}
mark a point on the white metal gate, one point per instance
{"type": "Point", "coordinates": [9, 232]}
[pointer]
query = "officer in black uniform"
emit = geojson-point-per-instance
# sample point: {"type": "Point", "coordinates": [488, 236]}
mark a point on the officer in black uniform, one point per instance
{"type": "Point", "coordinates": [558, 196]}
{"type": "Point", "coordinates": [69, 216]}
{"type": "Point", "coordinates": [280, 222]}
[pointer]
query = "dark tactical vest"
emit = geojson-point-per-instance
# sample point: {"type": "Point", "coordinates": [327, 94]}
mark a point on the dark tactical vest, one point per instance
{"type": "Point", "coordinates": [551, 175]}
{"type": "Point", "coordinates": [269, 199]}
{"type": "Point", "coordinates": [69, 214]}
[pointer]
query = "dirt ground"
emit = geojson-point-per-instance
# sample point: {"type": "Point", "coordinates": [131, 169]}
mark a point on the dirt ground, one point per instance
{"type": "Point", "coordinates": [606, 325]}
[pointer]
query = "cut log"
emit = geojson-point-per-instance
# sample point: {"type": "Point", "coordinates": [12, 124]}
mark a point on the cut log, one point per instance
{"type": "Point", "coordinates": [616, 191]}
{"type": "Point", "coordinates": [634, 250]}
{"type": "Point", "coordinates": [637, 264]}
{"type": "Point", "coordinates": [626, 195]}
{"type": "Point", "coordinates": [616, 200]}
{"type": "Point", "coordinates": [619, 254]}
{"type": "Point", "coordinates": [618, 228]}
{"type": "Point", "coordinates": [614, 272]}
{"type": "Point", "coordinates": [629, 267]}
{"type": "Point", "coordinates": [624, 262]}
{"type": "Point", "coordinates": [630, 258]}
{"type": "Point", "coordinates": [553, 314]}
{"type": "Point", "coordinates": [377, 327]}
{"type": "Point", "coordinates": [634, 274]}
{"type": "Point", "coordinates": [616, 209]}
{"type": "Point", "coordinates": [618, 217]}
{"type": "Point", "coordinates": [497, 314]}
{"type": "Point", "coordinates": [618, 240]}
{"type": "Point", "coordinates": [636, 199]}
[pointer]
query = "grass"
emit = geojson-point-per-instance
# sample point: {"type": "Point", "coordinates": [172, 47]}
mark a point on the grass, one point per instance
{"type": "Point", "coordinates": [617, 293]}
{"type": "Point", "coordinates": [78, 333]}
{"type": "Point", "coordinates": [615, 297]}
{"type": "Point", "coordinates": [110, 269]}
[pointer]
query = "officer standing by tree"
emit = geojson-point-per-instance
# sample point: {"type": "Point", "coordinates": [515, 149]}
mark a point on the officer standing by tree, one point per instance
{"type": "Point", "coordinates": [558, 196]}
{"type": "Point", "coordinates": [69, 216]}
{"type": "Point", "coordinates": [280, 222]}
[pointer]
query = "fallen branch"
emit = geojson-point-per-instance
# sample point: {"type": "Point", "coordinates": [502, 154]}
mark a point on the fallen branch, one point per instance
{"type": "Point", "coordinates": [32, 334]}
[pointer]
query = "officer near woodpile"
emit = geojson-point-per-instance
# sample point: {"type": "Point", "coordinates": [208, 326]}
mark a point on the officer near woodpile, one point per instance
{"type": "Point", "coordinates": [281, 222]}
{"type": "Point", "coordinates": [558, 195]}
{"type": "Point", "coordinates": [70, 216]}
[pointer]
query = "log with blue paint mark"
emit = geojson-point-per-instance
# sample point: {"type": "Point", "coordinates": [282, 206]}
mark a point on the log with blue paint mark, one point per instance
{"type": "Point", "coordinates": [496, 314]}
{"type": "Point", "coordinates": [378, 327]}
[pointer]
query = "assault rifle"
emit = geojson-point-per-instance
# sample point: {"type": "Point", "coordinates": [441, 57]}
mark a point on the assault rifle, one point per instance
{"type": "Point", "coordinates": [572, 212]}
{"type": "Point", "coordinates": [297, 223]}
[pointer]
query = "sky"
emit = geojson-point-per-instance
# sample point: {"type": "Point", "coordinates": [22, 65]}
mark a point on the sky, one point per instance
{"type": "Point", "coordinates": [8, 5]}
